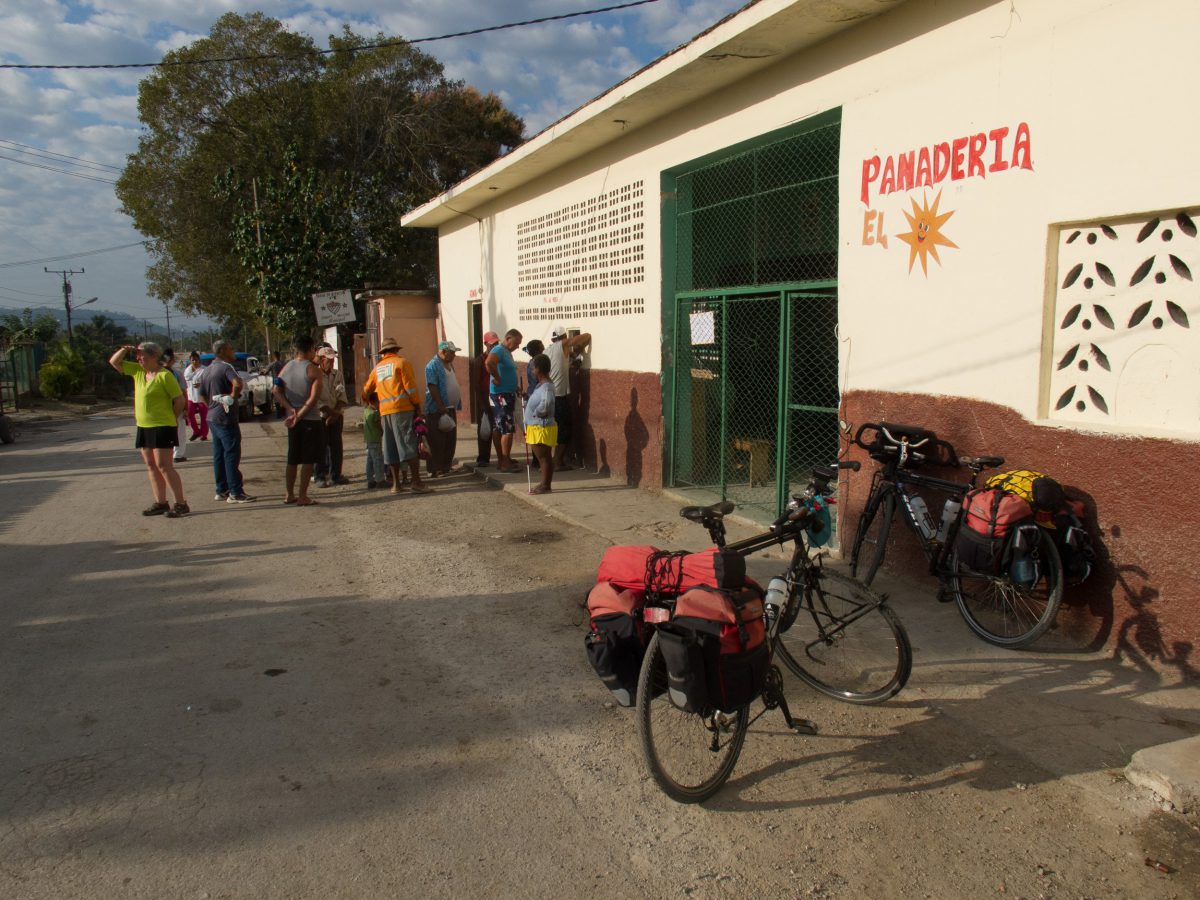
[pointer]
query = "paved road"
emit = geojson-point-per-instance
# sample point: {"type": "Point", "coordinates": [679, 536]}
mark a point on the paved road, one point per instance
{"type": "Point", "coordinates": [388, 698]}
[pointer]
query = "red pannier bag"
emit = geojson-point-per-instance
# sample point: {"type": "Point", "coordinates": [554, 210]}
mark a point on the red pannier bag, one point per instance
{"type": "Point", "coordinates": [615, 641]}
{"type": "Point", "coordinates": [715, 649]}
{"type": "Point", "coordinates": [991, 519]}
{"type": "Point", "coordinates": [661, 570]}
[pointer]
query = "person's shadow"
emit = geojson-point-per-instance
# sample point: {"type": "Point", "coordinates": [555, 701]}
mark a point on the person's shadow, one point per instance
{"type": "Point", "coordinates": [637, 438]}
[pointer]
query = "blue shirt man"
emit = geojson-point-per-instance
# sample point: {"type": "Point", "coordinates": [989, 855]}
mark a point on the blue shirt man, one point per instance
{"type": "Point", "coordinates": [503, 397]}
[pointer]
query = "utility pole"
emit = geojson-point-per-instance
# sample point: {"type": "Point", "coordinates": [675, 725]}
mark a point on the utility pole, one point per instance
{"type": "Point", "coordinates": [66, 277]}
{"type": "Point", "coordinates": [167, 307]}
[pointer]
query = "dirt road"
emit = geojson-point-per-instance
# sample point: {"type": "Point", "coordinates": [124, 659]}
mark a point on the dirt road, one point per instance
{"type": "Point", "coordinates": [384, 697]}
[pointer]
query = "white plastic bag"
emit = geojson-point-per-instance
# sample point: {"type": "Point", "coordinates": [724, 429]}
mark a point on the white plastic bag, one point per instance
{"type": "Point", "coordinates": [446, 422]}
{"type": "Point", "coordinates": [485, 427]}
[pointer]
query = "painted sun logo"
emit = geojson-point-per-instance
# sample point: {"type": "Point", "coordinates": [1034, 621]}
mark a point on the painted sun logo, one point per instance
{"type": "Point", "coordinates": [926, 234]}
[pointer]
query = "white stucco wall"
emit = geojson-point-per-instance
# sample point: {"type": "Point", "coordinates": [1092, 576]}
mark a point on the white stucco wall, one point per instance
{"type": "Point", "coordinates": [1103, 89]}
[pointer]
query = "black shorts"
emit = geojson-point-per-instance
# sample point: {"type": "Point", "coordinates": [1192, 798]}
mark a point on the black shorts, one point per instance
{"type": "Point", "coordinates": [306, 443]}
{"type": "Point", "coordinates": [562, 415]}
{"type": "Point", "coordinates": [161, 437]}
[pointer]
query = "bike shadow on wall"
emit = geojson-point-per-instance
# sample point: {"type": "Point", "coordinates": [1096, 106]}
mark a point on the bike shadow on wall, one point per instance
{"type": "Point", "coordinates": [1002, 724]}
{"type": "Point", "coordinates": [1088, 615]}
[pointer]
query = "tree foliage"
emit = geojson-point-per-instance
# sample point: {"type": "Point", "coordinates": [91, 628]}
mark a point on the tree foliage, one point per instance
{"type": "Point", "coordinates": [27, 328]}
{"type": "Point", "coordinates": [338, 146]}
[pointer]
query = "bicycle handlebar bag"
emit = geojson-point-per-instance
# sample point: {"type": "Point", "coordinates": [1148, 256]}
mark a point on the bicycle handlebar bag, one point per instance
{"type": "Point", "coordinates": [615, 641]}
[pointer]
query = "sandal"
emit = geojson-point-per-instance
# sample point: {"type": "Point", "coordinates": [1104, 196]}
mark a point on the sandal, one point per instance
{"type": "Point", "coordinates": [156, 509]}
{"type": "Point", "coordinates": [307, 501]}
{"type": "Point", "coordinates": [539, 490]}
{"type": "Point", "coordinates": [178, 511]}
{"type": "Point", "coordinates": [289, 499]}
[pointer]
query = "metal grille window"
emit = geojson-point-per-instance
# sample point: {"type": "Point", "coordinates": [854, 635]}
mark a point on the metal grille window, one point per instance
{"type": "Point", "coordinates": [767, 215]}
{"type": "Point", "coordinates": [753, 385]}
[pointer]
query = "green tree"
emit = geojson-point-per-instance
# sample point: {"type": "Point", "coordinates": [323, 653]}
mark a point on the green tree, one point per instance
{"type": "Point", "coordinates": [339, 144]}
{"type": "Point", "coordinates": [25, 328]}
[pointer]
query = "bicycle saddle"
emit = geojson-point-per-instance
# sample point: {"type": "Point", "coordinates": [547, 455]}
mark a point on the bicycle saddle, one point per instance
{"type": "Point", "coordinates": [981, 462]}
{"type": "Point", "coordinates": [703, 514]}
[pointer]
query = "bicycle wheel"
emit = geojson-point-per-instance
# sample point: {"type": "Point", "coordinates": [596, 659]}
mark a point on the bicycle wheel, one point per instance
{"type": "Point", "coordinates": [845, 642]}
{"type": "Point", "coordinates": [870, 542]}
{"type": "Point", "coordinates": [1007, 614]}
{"type": "Point", "coordinates": [690, 755]}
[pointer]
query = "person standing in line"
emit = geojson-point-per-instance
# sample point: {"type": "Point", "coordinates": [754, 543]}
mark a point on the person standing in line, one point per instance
{"type": "Point", "coordinates": [482, 388]}
{"type": "Point", "coordinates": [220, 387]}
{"type": "Point", "coordinates": [393, 379]}
{"type": "Point", "coordinates": [442, 398]}
{"type": "Point", "coordinates": [534, 349]}
{"type": "Point", "coordinates": [502, 369]}
{"type": "Point", "coordinates": [273, 370]}
{"type": "Point", "coordinates": [299, 393]}
{"type": "Point", "coordinates": [373, 438]}
{"type": "Point", "coordinates": [328, 471]}
{"type": "Point", "coordinates": [560, 351]}
{"type": "Point", "coordinates": [157, 403]}
{"type": "Point", "coordinates": [197, 410]}
{"type": "Point", "coordinates": [541, 432]}
{"type": "Point", "coordinates": [180, 452]}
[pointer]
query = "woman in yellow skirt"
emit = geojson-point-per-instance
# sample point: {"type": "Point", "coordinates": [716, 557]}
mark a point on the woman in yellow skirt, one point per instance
{"type": "Point", "coordinates": [541, 431]}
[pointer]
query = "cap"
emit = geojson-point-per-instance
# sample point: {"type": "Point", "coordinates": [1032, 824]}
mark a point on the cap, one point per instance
{"type": "Point", "coordinates": [327, 352]}
{"type": "Point", "coordinates": [558, 331]}
{"type": "Point", "coordinates": [448, 345]}
{"type": "Point", "coordinates": [388, 344]}
{"type": "Point", "coordinates": [490, 337]}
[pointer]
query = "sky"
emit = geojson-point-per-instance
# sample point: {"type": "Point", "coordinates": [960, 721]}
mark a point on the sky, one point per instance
{"type": "Point", "coordinates": [542, 72]}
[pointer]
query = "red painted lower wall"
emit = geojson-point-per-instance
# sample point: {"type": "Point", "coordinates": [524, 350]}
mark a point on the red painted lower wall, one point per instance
{"type": "Point", "coordinates": [618, 417]}
{"type": "Point", "coordinates": [1143, 602]}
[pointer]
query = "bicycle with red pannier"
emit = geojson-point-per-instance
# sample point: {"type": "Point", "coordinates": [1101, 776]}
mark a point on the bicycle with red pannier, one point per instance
{"type": "Point", "coordinates": [690, 641]}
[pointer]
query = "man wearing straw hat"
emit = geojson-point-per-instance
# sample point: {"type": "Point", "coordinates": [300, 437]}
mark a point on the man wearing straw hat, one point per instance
{"type": "Point", "coordinates": [392, 379]}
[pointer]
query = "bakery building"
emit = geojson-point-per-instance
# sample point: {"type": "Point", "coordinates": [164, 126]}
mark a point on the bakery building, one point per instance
{"type": "Point", "coordinates": [979, 217]}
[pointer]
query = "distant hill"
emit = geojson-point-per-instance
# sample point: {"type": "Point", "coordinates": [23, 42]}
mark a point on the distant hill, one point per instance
{"type": "Point", "coordinates": [181, 327]}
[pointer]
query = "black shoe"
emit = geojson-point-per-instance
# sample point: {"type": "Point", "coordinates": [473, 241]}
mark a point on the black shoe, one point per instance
{"type": "Point", "coordinates": [178, 511]}
{"type": "Point", "coordinates": [156, 509]}
{"type": "Point", "coordinates": [341, 479]}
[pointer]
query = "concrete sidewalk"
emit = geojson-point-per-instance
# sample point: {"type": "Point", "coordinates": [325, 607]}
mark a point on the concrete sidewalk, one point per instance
{"type": "Point", "coordinates": [1078, 715]}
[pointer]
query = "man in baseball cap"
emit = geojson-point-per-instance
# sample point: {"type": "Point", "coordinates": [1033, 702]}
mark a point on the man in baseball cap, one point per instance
{"type": "Point", "coordinates": [442, 403]}
{"type": "Point", "coordinates": [560, 351]}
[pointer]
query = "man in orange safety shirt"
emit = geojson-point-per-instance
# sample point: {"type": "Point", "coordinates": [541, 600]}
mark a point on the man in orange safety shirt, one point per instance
{"type": "Point", "coordinates": [392, 379]}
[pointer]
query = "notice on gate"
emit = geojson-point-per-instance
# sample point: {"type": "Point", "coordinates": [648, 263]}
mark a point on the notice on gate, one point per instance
{"type": "Point", "coordinates": [704, 328]}
{"type": "Point", "coordinates": [333, 307]}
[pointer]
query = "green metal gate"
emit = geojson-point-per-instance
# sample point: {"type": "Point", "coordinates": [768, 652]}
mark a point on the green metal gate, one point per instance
{"type": "Point", "coordinates": [752, 372]}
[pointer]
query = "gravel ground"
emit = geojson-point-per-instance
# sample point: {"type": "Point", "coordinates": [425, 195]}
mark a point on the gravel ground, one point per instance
{"type": "Point", "coordinates": [388, 697]}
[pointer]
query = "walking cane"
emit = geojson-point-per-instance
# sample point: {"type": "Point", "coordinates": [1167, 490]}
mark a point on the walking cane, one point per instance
{"type": "Point", "coordinates": [528, 467]}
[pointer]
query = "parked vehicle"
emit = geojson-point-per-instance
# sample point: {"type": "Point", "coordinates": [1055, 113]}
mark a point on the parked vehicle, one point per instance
{"type": "Point", "coordinates": [256, 391]}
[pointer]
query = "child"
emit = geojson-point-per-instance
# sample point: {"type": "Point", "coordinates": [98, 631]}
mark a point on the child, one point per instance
{"type": "Point", "coordinates": [541, 431]}
{"type": "Point", "coordinates": [373, 438]}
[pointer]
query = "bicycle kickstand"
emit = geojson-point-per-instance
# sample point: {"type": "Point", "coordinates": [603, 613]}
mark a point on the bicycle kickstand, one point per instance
{"type": "Point", "coordinates": [773, 697]}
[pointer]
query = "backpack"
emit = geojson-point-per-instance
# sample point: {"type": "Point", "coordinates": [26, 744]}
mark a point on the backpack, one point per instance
{"type": "Point", "coordinates": [1038, 490]}
{"type": "Point", "coordinates": [616, 640]}
{"type": "Point", "coordinates": [651, 569]}
{"type": "Point", "coordinates": [1060, 516]}
{"type": "Point", "coordinates": [715, 649]}
{"type": "Point", "coordinates": [1071, 539]}
{"type": "Point", "coordinates": [998, 530]}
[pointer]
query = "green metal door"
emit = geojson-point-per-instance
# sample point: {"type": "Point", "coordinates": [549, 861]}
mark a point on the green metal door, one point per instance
{"type": "Point", "coordinates": [750, 384]}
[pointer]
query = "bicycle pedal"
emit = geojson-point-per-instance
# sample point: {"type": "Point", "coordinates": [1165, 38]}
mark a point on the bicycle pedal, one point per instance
{"type": "Point", "coordinates": [804, 726]}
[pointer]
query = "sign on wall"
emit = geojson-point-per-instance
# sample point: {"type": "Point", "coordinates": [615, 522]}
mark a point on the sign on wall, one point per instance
{"type": "Point", "coordinates": [981, 155]}
{"type": "Point", "coordinates": [333, 307]}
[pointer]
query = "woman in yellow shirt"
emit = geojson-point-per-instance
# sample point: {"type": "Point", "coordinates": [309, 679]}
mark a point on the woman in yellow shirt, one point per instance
{"type": "Point", "coordinates": [157, 404]}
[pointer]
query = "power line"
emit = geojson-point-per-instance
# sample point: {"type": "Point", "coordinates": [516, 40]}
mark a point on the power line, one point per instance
{"type": "Point", "coordinates": [38, 152]}
{"type": "Point", "coordinates": [13, 290]}
{"type": "Point", "coordinates": [81, 253]}
{"type": "Point", "coordinates": [26, 162]}
{"type": "Point", "coordinates": [396, 43]}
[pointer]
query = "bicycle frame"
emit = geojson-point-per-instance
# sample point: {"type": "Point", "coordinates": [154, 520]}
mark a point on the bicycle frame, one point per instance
{"type": "Point", "coordinates": [936, 552]}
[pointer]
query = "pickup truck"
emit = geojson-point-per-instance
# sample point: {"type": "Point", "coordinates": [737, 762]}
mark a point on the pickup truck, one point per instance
{"type": "Point", "coordinates": [256, 386]}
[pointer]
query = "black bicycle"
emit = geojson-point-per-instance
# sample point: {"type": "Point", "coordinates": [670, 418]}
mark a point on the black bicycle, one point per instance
{"type": "Point", "coordinates": [833, 633]}
{"type": "Point", "coordinates": [1008, 608]}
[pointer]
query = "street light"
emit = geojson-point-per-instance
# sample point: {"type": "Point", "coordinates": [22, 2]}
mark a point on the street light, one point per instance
{"type": "Point", "coordinates": [73, 306]}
